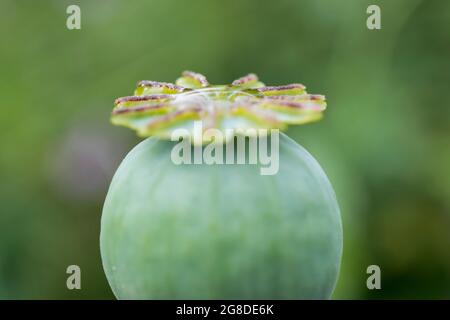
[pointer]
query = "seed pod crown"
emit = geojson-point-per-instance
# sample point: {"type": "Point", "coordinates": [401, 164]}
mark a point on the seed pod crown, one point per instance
{"type": "Point", "coordinates": [160, 108]}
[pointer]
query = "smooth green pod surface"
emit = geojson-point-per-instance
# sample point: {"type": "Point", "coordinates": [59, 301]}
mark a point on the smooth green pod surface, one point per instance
{"type": "Point", "coordinates": [220, 231]}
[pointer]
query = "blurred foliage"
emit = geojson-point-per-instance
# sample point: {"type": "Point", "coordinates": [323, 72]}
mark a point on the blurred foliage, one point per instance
{"type": "Point", "coordinates": [384, 141]}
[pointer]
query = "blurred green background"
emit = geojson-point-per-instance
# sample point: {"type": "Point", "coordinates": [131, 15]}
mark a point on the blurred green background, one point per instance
{"type": "Point", "coordinates": [384, 141]}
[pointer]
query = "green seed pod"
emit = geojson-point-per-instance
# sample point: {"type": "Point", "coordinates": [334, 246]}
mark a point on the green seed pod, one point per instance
{"type": "Point", "coordinates": [202, 231]}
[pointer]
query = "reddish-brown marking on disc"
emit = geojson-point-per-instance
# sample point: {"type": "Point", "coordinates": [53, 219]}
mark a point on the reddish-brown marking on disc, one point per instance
{"type": "Point", "coordinates": [197, 76]}
{"type": "Point", "coordinates": [312, 97]}
{"type": "Point", "coordinates": [156, 84]}
{"type": "Point", "coordinates": [142, 98]}
{"type": "Point", "coordinates": [317, 97]}
{"type": "Point", "coordinates": [137, 109]}
{"type": "Point", "coordinates": [245, 79]}
{"type": "Point", "coordinates": [281, 88]}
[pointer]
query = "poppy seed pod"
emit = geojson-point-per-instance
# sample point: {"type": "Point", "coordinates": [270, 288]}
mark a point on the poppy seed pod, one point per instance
{"type": "Point", "coordinates": [218, 229]}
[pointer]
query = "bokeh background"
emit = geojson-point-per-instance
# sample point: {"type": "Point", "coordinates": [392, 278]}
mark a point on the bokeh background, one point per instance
{"type": "Point", "coordinates": [384, 141]}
